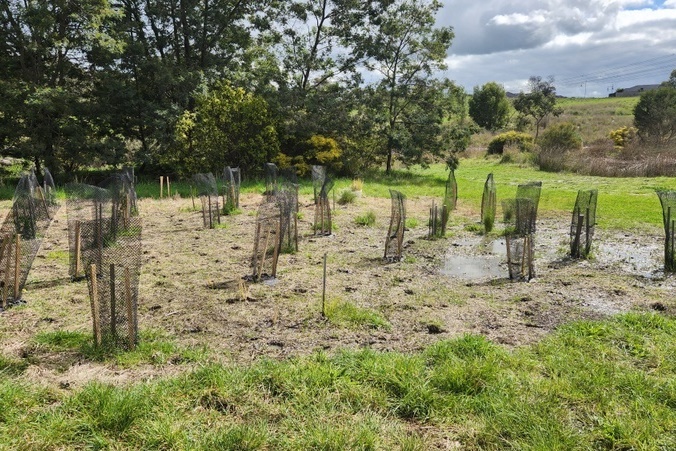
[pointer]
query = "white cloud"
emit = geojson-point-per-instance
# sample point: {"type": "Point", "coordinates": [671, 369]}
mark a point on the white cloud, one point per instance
{"type": "Point", "coordinates": [509, 40]}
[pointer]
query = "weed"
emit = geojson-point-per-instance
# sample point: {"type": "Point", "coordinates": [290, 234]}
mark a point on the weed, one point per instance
{"type": "Point", "coordinates": [344, 313]}
{"type": "Point", "coordinates": [367, 220]}
{"type": "Point", "coordinates": [411, 223]}
{"type": "Point", "coordinates": [347, 197]}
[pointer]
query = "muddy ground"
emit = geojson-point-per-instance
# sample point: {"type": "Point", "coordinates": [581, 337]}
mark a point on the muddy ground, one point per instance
{"type": "Point", "coordinates": [192, 287]}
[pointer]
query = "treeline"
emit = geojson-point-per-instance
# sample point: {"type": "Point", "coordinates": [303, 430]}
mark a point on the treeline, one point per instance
{"type": "Point", "coordinates": [184, 86]}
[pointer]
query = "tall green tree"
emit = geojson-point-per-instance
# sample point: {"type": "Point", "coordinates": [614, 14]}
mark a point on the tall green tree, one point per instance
{"type": "Point", "coordinates": [405, 48]}
{"type": "Point", "coordinates": [539, 102]}
{"type": "Point", "coordinates": [489, 106]}
{"type": "Point", "coordinates": [655, 116]}
{"type": "Point", "coordinates": [46, 92]}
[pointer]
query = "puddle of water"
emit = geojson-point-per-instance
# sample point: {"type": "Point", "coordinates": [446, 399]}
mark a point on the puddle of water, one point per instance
{"type": "Point", "coordinates": [473, 267]}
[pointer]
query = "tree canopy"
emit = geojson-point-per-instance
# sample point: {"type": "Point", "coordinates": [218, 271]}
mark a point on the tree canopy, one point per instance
{"type": "Point", "coordinates": [87, 82]}
{"type": "Point", "coordinates": [489, 106]}
{"type": "Point", "coordinates": [539, 102]}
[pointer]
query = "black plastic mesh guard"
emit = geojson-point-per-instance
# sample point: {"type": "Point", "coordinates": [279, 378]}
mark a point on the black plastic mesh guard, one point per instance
{"type": "Point", "coordinates": [438, 221]}
{"type": "Point", "coordinates": [530, 190]}
{"type": "Point", "coordinates": [287, 199]}
{"type": "Point", "coordinates": [270, 179]}
{"type": "Point", "coordinates": [318, 178]}
{"type": "Point", "coordinates": [583, 223]}
{"type": "Point", "coordinates": [232, 179]}
{"type": "Point", "coordinates": [323, 224]}
{"type": "Point", "coordinates": [451, 192]}
{"type": "Point", "coordinates": [207, 190]}
{"type": "Point", "coordinates": [266, 240]}
{"type": "Point", "coordinates": [394, 241]}
{"type": "Point", "coordinates": [520, 258]}
{"type": "Point", "coordinates": [488, 204]}
{"type": "Point", "coordinates": [21, 234]}
{"type": "Point", "coordinates": [112, 258]}
{"type": "Point", "coordinates": [668, 202]}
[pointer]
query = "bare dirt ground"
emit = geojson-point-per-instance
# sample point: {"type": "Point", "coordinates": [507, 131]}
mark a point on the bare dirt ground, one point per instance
{"type": "Point", "coordinates": [192, 288]}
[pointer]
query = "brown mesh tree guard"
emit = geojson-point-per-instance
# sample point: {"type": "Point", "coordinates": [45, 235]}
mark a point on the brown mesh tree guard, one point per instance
{"type": "Point", "coordinates": [87, 206]}
{"type": "Point", "coordinates": [323, 224]}
{"type": "Point", "coordinates": [267, 240]}
{"type": "Point", "coordinates": [488, 204]}
{"type": "Point", "coordinates": [583, 223]}
{"type": "Point", "coordinates": [287, 199]}
{"type": "Point", "coordinates": [394, 242]}
{"type": "Point", "coordinates": [232, 180]}
{"type": "Point", "coordinates": [318, 178]}
{"type": "Point", "coordinates": [270, 179]}
{"type": "Point", "coordinates": [436, 227]}
{"type": "Point", "coordinates": [113, 270]}
{"type": "Point", "coordinates": [668, 201]}
{"type": "Point", "coordinates": [21, 235]}
{"type": "Point", "coordinates": [122, 196]}
{"type": "Point", "coordinates": [207, 190]}
{"type": "Point", "coordinates": [520, 241]}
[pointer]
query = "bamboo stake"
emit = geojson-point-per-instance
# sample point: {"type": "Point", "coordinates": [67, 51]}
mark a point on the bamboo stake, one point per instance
{"type": "Point", "coordinates": [587, 240]}
{"type": "Point", "coordinates": [168, 187]}
{"type": "Point", "coordinates": [509, 257]}
{"type": "Point", "coordinates": [523, 256]}
{"type": "Point", "coordinates": [113, 301]}
{"type": "Point", "coordinates": [95, 305]}
{"type": "Point", "coordinates": [324, 289]}
{"type": "Point", "coordinates": [6, 246]}
{"type": "Point", "coordinates": [161, 186]}
{"type": "Point", "coordinates": [211, 219]}
{"type": "Point", "coordinates": [17, 267]}
{"type": "Point", "coordinates": [131, 325]}
{"type": "Point", "coordinates": [275, 255]}
{"type": "Point", "coordinates": [78, 249]}
{"type": "Point", "coordinates": [265, 252]}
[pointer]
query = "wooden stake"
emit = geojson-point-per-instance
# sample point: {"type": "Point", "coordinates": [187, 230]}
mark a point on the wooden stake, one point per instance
{"type": "Point", "coordinates": [204, 213]}
{"type": "Point", "coordinates": [8, 267]}
{"type": "Point", "coordinates": [168, 187]}
{"type": "Point", "coordinates": [131, 324]}
{"type": "Point", "coordinates": [78, 249]}
{"type": "Point", "coordinates": [509, 257]}
{"type": "Point", "coordinates": [113, 301]}
{"type": "Point", "coordinates": [192, 196]}
{"type": "Point", "coordinates": [324, 289]}
{"type": "Point", "coordinates": [265, 253]}
{"type": "Point", "coordinates": [578, 234]}
{"type": "Point", "coordinates": [41, 194]}
{"type": "Point", "coordinates": [161, 186]}
{"type": "Point", "coordinates": [275, 255]}
{"type": "Point", "coordinates": [95, 305]}
{"type": "Point", "coordinates": [17, 267]}
{"type": "Point", "coordinates": [257, 240]}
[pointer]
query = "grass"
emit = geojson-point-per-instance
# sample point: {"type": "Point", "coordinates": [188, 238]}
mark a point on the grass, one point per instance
{"type": "Point", "coordinates": [368, 219]}
{"type": "Point", "coordinates": [591, 385]}
{"type": "Point", "coordinates": [347, 314]}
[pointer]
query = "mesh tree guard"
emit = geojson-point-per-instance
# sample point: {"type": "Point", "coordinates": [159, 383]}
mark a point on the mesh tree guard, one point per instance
{"type": "Point", "coordinates": [488, 204]}
{"type": "Point", "coordinates": [287, 199]}
{"type": "Point", "coordinates": [394, 241]}
{"type": "Point", "coordinates": [207, 190]}
{"type": "Point", "coordinates": [122, 197]}
{"type": "Point", "coordinates": [21, 235]}
{"type": "Point", "coordinates": [668, 201]}
{"type": "Point", "coordinates": [270, 179]}
{"type": "Point", "coordinates": [438, 220]}
{"type": "Point", "coordinates": [323, 224]}
{"type": "Point", "coordinates": [451, 192]}
{"type": "Point", "coordinates": [267, 240]}
{"type": "Point", "coordinates": [519, 241]}
{"type": "Point", "coordinates": [87, 207]}
{"type": "Point", "coordinates": [232, 181]}
{"type": "Point", "coordinates": [49, 193]}
{"type": "Point", "coordinates": [583, 223]}
{"type": "Point", "coordinates": [318, 178]}
{"type": "Point", "coordinates": [113, 271]}
{"type": "Point", "coordinates": [530, 190]}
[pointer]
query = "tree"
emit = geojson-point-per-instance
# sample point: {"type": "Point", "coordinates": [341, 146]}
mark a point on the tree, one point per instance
{"type": "Point", "coordinates": [403, 46]}
{"type": "Point", "coordinates": [539, 102]}
{"type": "Point", "coordinates": [46, 94]}
{"type": "Point", "coordinates": [228, 127]}
{"type": "Point", "coordinates": [655, 116]}
{"type": "Point", "coordinates": [672, 80]}
{"type": "Point", "coordinates": [489, 106]}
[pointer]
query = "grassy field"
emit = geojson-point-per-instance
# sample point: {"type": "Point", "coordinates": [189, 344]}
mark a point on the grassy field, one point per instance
{"type": "Point", "coordinates": [607, 384]}
{"type": "Point", "coordinates": [591, 385]}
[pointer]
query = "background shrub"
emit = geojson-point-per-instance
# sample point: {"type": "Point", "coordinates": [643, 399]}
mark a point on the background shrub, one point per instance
{"type": "Point", "coordinates": [523, 141]}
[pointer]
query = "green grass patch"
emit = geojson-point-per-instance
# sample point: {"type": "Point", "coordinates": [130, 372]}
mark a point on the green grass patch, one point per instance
{"type": "Point", "coordinates": [590, 385]}
{"type": "Point", "coordinates": [368, 219]}
{"type": "Point", "coordinates": [347, 314]}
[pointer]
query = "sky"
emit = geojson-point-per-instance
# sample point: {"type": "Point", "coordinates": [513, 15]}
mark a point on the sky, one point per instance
{"type": "Point", "coordinates": [590, 47]}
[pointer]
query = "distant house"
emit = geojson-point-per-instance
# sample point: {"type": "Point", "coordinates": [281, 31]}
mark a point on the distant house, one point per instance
{"type": "Point", "coordinates": [633, 91]}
